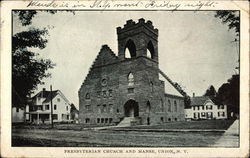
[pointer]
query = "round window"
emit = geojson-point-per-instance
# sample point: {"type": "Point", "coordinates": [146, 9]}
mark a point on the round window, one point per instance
{"type": "Point", "coordinates": [104, 82]}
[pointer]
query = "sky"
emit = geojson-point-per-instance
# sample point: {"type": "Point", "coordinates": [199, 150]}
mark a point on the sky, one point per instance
{"type": "Point", "coordinates": [195, 49]}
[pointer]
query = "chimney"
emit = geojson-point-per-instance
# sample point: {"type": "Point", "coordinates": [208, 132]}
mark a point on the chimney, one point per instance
{"type": "Point", "coordinates": [193, 94]}
{"type": "Point", "coordinates": [44, 89]}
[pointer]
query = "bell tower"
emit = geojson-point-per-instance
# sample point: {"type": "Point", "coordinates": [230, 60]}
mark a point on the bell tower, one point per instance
{"type": "Point", "coordinates": [140, 39]}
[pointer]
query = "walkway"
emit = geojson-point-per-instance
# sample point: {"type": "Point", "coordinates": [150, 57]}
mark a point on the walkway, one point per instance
{"type": "Point", "coordinates": [230, 138]}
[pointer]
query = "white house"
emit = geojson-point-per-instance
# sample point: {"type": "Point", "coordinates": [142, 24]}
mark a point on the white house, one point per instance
{"type": "Point", "coordinates": [40, 109]}
{"type": "Point", "coordinates": [202, 107]}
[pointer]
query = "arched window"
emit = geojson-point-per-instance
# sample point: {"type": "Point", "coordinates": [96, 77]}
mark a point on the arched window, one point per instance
{"type": "Point", "coordinates": [162, 105]}
{"type": "Point", "coordinates": [150, 50]}
{"type": "Point", "coordinates": [104, 108]}
{"type": "Point", "coordinates": [87, 96]}
{"type": "Point", "coordinates": [98, 109]}
{"type": "Point", "coordinates": [151, 86]}
{"type": "Point", "coordinates": [169, 106]}
{"type": "Point", "coordinates": [130, 49]}
{"type": "Point", "coordinates": [148, 107]}
{"type": "Point", "coordinates": [175, 106]}
{"type": "Point", "coordinates": [130, 79]}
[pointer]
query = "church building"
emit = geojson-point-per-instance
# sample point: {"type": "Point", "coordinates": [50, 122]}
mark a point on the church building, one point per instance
{"type": "Point", "coordinates": [121, 90]}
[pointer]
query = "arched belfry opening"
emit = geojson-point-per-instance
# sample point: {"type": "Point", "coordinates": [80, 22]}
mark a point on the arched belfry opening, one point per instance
{"type": "Point", "coordinates": [150, 50]}
{"type": "Point", "coordinates": [131, 108]}
{"type": "Point", "coordinates": [130, 49]}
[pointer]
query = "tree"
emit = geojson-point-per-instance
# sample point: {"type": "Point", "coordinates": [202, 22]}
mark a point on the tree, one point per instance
{"type": "Point", "coordinates": [231, 18]}
{"type": "Point", "coordinates": [229, 94]}
{"type": "Point", "coordinates": [73, 111]}
{"type": "Point", "coordinates": [211, 92]}
{"type": "Point", "coordinates": [27, 69]}
{"type": "Point", "coordinates": [26, 16]}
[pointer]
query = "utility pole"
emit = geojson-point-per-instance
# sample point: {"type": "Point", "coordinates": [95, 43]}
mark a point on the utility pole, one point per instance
{"type": "Point", "coordinates": [51, 106]}
{"type": "Point", "coordinates": [236, 41]}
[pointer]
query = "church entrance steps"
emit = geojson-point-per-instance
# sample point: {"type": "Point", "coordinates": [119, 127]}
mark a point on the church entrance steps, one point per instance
{"type": "Point", "coordinates": [128, 121]}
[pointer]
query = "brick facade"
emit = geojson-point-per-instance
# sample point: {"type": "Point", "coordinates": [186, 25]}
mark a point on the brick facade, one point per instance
{"type": "Point", "coordinates": [118, 87]}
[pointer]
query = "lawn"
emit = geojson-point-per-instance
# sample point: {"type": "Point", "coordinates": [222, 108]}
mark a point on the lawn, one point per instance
{"type": "Point", "coordinates": [106, 138]}
{"type": "Point", "coordinates": [202, 124]}
{"type": "Point", "coordinates": [75, 136]}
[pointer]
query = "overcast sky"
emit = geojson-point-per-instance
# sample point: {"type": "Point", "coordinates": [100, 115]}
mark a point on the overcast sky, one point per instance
{"type": "Point", "coordinates": [195, 48]}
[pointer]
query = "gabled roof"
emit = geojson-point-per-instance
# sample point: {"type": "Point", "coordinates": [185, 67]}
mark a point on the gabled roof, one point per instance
{"type": "Point", "coordinates": [199, 100]}
{"type": "Point", "coordinates": [104, 57]}
{"type": "Point", "coordinates": [46, 94]}
{"type": "Point", "coordinates": [169, 85]}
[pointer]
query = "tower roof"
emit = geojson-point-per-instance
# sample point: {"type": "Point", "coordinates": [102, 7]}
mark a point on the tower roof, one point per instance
{"type": "Point", "coordinates": [130, 24]}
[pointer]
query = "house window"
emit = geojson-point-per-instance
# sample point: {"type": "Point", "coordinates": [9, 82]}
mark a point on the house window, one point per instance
{"type": "Point", "coordinates": [223, 114]}
{"type": "Point", "coordinates": [130, 90]}
{"type": "Point", "coordinates": [98, 120]}
{"type": "Point", "coordinates": [67, 108]}
{"type": "Point", "coordinates": [220, 106]}
{"type": "Point", "coordinates": [169, 119]}
{"type": "Point", "coordinates": [17, 109]}
{"type": "Point", "coordinates": [58, 99]}
{"type": "Point", "coordinates": [67, 117]}
{"type": "Point", "coordinates": [198, 115]}
{"type": "Point", "coordinates": [55, 117]}
{"type": "Point", "coordinates": [55, 107]}
{"type": "Point", "coordinates": [162, 119]}
{"type": "Point", "coordinates": [110, 93]}
{"type": "Point", "coordinates": [193, 107]}
{"type": "Point", "coordinates": [209, 107]}
{"type": "Point", "coordinates": [130, 79]}
{"type": "Point", "coordinates": [218, 114]}
{"type": "Point", "coordinates": [203, 114]}
{"type": "Point", "coordinates": [117, 110]}
{"type": "Point", "coordinates": [102, 120]}
{"type": "Point", "coordinates": [198, 108]}
{"type": "Point", "coordinates": [47, 107]}
{"type": "Point", "coordinates": [175, 119]}
{"type": "Point", "coordinates": [175, 106]}
{"type": "Point", "coordinates": [209, 115]}
{"type": "Point", "coordinates": [169, 106]}
{"type": "Point", "coordinates": [203, 107]}
{"type": "Point", "coordinates": [87, 96]}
